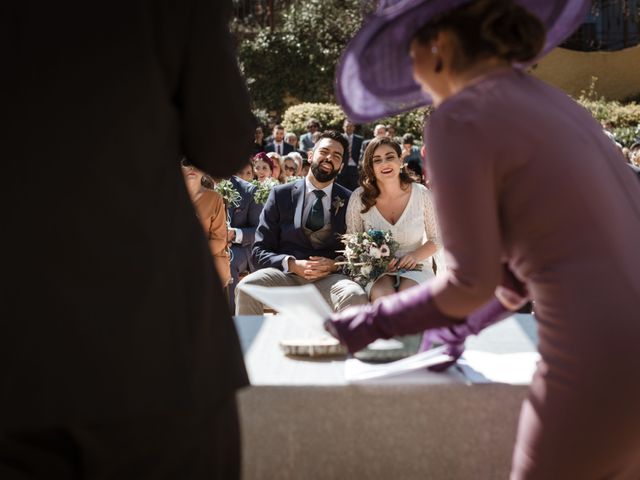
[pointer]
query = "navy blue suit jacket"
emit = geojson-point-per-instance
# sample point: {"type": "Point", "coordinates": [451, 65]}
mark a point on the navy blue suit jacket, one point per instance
{"type": "Point", "coordinates": [286, 148]}
{"type": "Point", "coordinates": [281, 233]}
{"type": "Point", "coordinates": [356, 145]}
{"type": "Point", "coordinates": [247, 214]}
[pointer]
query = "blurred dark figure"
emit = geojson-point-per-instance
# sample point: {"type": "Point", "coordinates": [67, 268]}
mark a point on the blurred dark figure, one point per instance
{"type": "Point", "coordinates": [118, 356]}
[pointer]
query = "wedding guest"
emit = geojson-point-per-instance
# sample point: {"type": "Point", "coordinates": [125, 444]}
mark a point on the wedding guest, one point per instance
{"type": "Point", "coordinates": [243, 220]}
{"type": "Point", "coordinates": [263, 166]}
{"type": "Point", "coordinates": [298, 234]}
{"type": "Point", "coordinates": [259, 142]}
{"type": "Point", "coordinates": [290, 165]}
{"type": "Point", "coordinates": [118, 356]}
{"type": "Point", "coordinates": [504, 149]}
{"type": "Point", "coordinates": [379, 131]}
{"type": "Point", "coordinates": [306, 140]}
{"type": "Point", "coordinates": [349, 175]}
{"type": "Point", "coordinates": [277, 173]}
{"type": "Point", "coordinates": [390, 131]}
{"type": "Point", "coordinates": [389, 200]}
{"type": "Point", "coordinates": [278, 145]}
{"type": "Point", "coordinates": [211, 212]}
{"type": "Point", "coordinates": [246, 172]}
{"type": "Point", "coordinates": [304, 170]}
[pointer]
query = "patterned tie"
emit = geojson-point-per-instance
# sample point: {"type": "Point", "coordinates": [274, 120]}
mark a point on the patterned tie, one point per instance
{"type": "Point", "coordinates": [315, 221]}
{"type": "Point", "coordinates": [278, 147]}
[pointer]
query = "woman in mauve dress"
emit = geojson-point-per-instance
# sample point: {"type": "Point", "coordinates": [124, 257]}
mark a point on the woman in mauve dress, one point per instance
{"type": "Point", "coordinates": [525, 183]}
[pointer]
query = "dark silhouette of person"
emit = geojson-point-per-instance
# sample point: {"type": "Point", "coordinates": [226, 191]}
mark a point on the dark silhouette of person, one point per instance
{"type": "Point", "coordinates": [118, 355]}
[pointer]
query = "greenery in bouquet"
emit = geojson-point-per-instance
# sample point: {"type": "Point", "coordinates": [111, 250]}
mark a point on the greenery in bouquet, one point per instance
{"type": "Point", "coordinates": [368, 254]}
{"type": "Point", "coordinates": [263, 189]}
{"type": "Point", "coordinates": [229, 193]}
{"type": "Point", "coordinates": [293, 179]}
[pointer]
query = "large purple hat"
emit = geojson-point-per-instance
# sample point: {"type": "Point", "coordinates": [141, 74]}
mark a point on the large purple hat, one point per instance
{"type": "Point", "coordinates": [375, 77]}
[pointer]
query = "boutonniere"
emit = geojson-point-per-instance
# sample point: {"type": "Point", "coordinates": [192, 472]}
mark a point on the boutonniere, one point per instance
{"type": "Point", "coordinates": [337, 204]}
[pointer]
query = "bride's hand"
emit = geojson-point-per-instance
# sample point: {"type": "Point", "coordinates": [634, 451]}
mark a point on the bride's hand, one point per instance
{"type": "Point", "coordinates": [408, 262]}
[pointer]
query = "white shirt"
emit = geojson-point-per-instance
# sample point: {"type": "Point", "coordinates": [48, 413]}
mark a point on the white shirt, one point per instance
{"type": "Point", "coordinates": [309, 200]}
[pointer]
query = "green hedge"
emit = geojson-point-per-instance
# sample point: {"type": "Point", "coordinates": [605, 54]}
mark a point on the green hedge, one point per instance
{"type": "Point", "coordinates": [331, 116]}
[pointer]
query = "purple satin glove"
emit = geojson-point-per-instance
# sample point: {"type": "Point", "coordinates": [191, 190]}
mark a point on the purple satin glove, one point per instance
{"type": "Point", "coordinates": [408, 312]}
{"type": "Point", "coordinates": [491, 312]}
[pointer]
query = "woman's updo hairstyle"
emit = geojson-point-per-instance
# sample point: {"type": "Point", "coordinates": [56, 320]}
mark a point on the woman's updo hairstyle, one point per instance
{"type": "Point", "coordinates": [487, 28]}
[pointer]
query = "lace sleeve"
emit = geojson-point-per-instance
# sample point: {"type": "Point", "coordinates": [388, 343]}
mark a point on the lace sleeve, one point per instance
{"type": "Point", "coordinates": [429, 217]}
{"type": "Point", "coordinates": [353, 216]}
{"type": "Point", "coordinates": [432, 230]}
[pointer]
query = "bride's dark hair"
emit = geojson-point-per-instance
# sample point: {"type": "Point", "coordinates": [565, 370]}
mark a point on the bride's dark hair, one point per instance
{"type": "Point", "coordinates": [370, 190]}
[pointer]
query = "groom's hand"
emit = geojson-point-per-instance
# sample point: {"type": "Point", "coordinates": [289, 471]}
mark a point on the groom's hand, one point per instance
{"type": "Point", "coordinates": [319, 267]}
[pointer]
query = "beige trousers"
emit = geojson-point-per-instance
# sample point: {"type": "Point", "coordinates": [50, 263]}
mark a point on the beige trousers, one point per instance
{"type": "Point", "coordinates": [338, 290]}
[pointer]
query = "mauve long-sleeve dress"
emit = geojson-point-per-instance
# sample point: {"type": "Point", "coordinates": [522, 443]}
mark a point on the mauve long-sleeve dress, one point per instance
{"type": "Point", "coordinates": [524, 174]}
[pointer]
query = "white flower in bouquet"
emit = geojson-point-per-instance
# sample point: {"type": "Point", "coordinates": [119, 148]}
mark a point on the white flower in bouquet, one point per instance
{"type": "Point", "coordinates": [374, 252]}
{"type": "Point", "coordinates": [366, 270]}
{"type": "Point", "coordinates": [385, 251]}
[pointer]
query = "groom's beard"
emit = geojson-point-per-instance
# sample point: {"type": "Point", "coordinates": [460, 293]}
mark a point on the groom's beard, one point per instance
{"type": "Point", "coordinates": [321, 175]}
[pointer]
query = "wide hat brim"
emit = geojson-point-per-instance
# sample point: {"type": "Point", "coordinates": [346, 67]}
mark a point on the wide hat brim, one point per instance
{"type": "Point", "coordinates": [375, 78]}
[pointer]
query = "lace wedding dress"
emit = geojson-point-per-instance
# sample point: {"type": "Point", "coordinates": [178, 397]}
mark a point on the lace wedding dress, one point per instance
{"type": "Point", "coordinates": [414, 227]}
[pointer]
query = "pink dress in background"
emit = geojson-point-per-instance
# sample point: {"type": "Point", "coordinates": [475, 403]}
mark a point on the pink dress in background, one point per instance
{"type": "Point", "coordinates": [521, 173]}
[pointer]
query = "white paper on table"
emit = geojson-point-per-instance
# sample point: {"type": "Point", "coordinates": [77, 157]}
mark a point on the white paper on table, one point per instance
{"type": "Point", "coordinates": [302, 304]}
{"type": "Point", "coordinates": [511, 368]}
{"type": "Point", "coordinates": [357, 371]}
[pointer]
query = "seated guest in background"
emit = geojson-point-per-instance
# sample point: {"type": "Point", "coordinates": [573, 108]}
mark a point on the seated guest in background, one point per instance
{"type": "Point", "coordinates": [262, 166]}
{"type": "Point", "coordinates": [391, 131]}
{"type": "Point", "coordinates": [298, 234]}
{"type": "Point", "coordinates": [349, 175]}
{"type": "Point", "coordinates": [211, 212]}
{"type": "Point", "coordinates": [304, 169]}
{"type": "Point", "coordinates": [277, 173]}
{"type": "Point", "coordinates": [246, 173]}
{"type": "Point", "coordinates": [306, 140]}
{"type": "Point", "coordinates": [243, 220]}
{"type": "Point", "coordinates": [409, 151]}
{"type": "Point", "coordinates": [291, 165]}
{"type": "Point", "coordinates": [259, 143]}
{"type": "Point", "coordinates": [292, 140]}
{"type": "Point", "coordinates": [278, 145]}
{"type": "Point", "coordinates": [379, 130]}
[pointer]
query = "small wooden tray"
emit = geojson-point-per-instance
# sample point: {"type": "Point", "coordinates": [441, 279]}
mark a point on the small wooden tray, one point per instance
{"type": "Point", "coordinates": [313, 347]}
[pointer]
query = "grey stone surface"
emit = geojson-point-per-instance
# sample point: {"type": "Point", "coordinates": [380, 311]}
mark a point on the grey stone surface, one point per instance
{"type": "Point", "coordinates": [301, 420]}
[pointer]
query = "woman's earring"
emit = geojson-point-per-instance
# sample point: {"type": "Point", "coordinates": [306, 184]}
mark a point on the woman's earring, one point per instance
{"type": "Point", "coordinates": [438, 67]}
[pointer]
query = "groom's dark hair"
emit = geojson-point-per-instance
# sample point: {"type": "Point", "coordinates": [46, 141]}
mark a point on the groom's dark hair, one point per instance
{"type": "Point", "coordinates": [338, 137]}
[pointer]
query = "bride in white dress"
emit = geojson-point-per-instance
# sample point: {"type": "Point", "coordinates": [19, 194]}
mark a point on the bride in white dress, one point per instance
{"type": "Point", "coordinates": [388, 199]}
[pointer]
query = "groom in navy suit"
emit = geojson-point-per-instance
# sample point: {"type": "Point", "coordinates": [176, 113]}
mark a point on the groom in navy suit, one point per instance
{"type": "Point", "coordinates": [299, 233]}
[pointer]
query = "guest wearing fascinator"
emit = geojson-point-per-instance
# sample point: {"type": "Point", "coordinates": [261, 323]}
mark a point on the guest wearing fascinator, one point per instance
{"type": "Point", "coordinates": [263, 166]}
{"type": "Point", "coordinates": [532, 200]}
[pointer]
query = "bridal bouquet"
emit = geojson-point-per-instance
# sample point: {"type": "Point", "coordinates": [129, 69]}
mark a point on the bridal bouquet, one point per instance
{"type": "Point", "coordinates": [263, 189]}
{"type": "Point", "coordinates": [229, 193]}
{"type": "Point", "coordinates": [367, 254]}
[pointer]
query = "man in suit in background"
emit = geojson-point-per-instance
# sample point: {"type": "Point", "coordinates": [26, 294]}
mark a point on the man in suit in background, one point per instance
{"type": "Point", "coordinates": [299, 233]}
{"type": "Point", "coordinates": [278, 145]}
{"type": "Point", "coordinates": [380, 130]}
{"type": "Point", "coordinates": [243, 220]}
{"type": "Point", "coordinates": [118, 356]}
{"type": "Point", "coordinates": [306, 140]}
{"type": "Point", "coordinates": [349, 176]}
